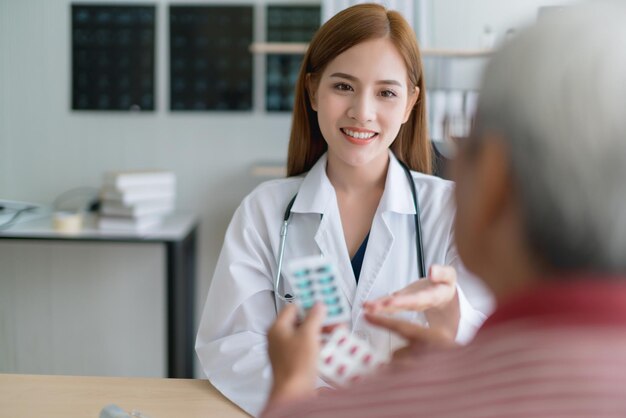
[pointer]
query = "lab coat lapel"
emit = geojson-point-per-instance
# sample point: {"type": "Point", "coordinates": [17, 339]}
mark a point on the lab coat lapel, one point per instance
{"type": "Point", "coordinates": [378, 247]}
{"type": "Point", "coordinates": [317, 195]}
{"type": "Point", "coordinates": [330, 239]}
{"type": "Point", "coordinates": [396, 198]}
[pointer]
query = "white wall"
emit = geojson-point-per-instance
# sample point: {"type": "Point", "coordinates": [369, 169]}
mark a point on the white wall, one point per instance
{"type": "Point", "coordinates": [460, 23]}
{"type": "Point", "coordinates": [46, 149]}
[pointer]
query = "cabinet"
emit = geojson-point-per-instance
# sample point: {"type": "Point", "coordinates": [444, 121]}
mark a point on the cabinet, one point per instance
{"type": "Point", "coordinates": [85, 304]}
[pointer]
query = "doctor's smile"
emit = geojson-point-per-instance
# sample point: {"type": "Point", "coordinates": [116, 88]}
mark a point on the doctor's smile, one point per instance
{"type": "Point", "coordinates": [359, 136]}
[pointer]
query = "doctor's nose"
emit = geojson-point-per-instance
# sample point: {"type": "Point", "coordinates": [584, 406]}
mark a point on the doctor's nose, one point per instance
{"type": "Point", "coordinates": [362, 109]}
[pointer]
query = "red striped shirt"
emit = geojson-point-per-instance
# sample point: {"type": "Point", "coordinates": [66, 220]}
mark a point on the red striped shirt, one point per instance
{"type": "Point", "coordinates": [558, 351]}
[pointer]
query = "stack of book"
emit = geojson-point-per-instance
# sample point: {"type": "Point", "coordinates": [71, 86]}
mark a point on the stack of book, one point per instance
{"type": "Point", "coordinates": [136, 200]}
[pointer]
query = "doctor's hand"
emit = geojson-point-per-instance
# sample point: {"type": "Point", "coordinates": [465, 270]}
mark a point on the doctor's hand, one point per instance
{"type": "Point", "coordinates": [434, 291]}
{"type": "Point", "coordinates": [418, 337]}
{"type": "Point", "coordinates": [434, 295]}
{"type": "Point", "coordinates": [293, 351]}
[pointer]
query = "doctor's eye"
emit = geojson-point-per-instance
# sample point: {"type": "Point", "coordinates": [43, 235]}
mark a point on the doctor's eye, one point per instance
{"type": "Point", "coordinates": [343, 87]}
{"type": "Point", "coordinates": [388, 94]}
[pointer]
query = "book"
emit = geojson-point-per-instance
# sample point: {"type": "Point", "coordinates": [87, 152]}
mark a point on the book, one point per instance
{"type": "Point", "coordinates": [137, 194]}
{"type": "Point", "coordinates": [135, 178]}
{"type": "Point", "coordinates": [121, 223]}
{"type": "Point", "coordinates": [140, 209]}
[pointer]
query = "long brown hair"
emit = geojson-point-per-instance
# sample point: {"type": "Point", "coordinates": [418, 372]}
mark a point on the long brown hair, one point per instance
{"type": "Point", "coordinates": [346, 29]}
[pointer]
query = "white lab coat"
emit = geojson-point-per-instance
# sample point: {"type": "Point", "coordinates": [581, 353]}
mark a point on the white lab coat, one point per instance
{"type": "Point", "coordinates": [231, 342]}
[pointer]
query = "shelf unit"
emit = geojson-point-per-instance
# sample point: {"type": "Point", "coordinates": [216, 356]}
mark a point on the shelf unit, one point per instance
{"type": "Point", "coordinates": [300, 48]}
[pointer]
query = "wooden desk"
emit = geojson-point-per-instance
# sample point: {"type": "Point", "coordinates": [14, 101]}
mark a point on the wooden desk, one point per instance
{"type": "Point", "coordinates": [35, 396]}
{"type": "Point", "coordinates": [179, 234]}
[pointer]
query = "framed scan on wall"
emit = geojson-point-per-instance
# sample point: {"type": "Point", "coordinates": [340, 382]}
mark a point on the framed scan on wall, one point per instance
{"type": "Point", "coordinates": [287, 23]}
{"type": "Point", "coordinates": [113, 57]}
{"type": "Point", "coordinates": [210, 61]}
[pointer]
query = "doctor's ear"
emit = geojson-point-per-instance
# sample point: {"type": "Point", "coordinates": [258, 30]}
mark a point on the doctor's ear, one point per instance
{"type": "Point", "coordinates": [413, 96]}
{"type": "Point", "coordinates": [311, 88]}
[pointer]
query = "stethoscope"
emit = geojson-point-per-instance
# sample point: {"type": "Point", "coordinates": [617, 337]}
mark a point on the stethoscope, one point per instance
{"type": "Point", "coordinates": [285, 226]}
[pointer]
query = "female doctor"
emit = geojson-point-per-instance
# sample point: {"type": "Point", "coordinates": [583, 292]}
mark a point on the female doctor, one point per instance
{"type": "Point", "coordinates": [359, 112]}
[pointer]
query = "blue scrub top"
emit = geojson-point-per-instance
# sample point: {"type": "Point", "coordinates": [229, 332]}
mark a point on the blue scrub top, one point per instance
{"type": "Point", "coordinates": [357, 260]}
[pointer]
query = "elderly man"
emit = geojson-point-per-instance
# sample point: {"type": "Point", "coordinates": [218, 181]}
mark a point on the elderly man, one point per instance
{"type": "Point", "coordinates": [541, 192]}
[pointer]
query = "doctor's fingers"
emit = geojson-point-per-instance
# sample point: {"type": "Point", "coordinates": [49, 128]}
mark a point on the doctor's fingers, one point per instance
{"type": "Point", "coordinates": [389, 303]}
{"type": "Point", "coordinates": [439, 288]}
{"type": "Point", "coordinates": [438, 277]}
{"type": "Point", "coordinates": [430, 296]}
{"type": "Point", "coordinates": [418, 297]}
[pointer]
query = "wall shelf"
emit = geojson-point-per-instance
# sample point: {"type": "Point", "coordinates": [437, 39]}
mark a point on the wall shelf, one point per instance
{"type": "Point", "coordinates": [268, 169]}
{"type": "Point", "coordinates": [278, 169]}
{"type": "Point", "coordinates": [300, 48]}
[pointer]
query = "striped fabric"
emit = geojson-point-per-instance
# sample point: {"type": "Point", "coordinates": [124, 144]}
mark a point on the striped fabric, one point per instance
{"type": "Point", "coordinates": [559, 351]}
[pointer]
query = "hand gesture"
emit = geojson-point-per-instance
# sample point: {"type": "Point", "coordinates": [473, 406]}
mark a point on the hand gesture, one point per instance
{"type": "Point", "coordinates": [435, 295]}
{"type": "Point", "coordinates": [435, 291]}
{"type": "Point", "coordinates": [293, 350]}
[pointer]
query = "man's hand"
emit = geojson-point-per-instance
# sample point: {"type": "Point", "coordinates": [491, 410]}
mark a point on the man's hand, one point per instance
{"type": "Point", "coordinates": [417, 337]}
{"type": "Point", "coordinates": [293, 350]}
{"type": "Point", "coordinates": [434, 295]}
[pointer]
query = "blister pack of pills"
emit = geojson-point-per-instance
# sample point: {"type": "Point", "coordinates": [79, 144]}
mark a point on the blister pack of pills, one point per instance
{"type": "Point", "coordinates": [314, 279]}
{"type": "Point", "coordinates": [345, 359]}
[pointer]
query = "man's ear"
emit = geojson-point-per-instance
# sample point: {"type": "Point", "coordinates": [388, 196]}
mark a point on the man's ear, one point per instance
{"type": "Point", "coordinates": [410, 104]}
{"type": "Point", "coordinates": [311, 88]}
{"type": "Point", "coordinates": [494, 178]}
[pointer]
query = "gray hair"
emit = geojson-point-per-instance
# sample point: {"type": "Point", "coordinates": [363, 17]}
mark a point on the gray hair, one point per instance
{"type": "Point", "coordinates": [556, 94]}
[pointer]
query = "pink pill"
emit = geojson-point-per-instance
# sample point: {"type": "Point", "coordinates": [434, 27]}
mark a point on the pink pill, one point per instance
{"type": "Point", "coordinates": [341, 370]}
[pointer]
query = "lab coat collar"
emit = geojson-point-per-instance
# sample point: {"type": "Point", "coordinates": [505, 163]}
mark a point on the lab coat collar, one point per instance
{"type": "Point", "coordinates": [397, 196]}
{"type": "Point", "coordinates": [316, 191]}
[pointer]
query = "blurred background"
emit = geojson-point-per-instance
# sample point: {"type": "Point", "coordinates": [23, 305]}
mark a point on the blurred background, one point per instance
{"type": "Point", "coordinates": [202, 89]}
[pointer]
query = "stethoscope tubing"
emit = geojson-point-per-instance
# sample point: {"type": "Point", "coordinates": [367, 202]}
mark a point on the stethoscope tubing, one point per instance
{"type": "Point", "coordinates": [419, 245]}
{"type": "Point", "coordinates": [287, 218]}
{"type": "Point", "coordinates": [281, 252]}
